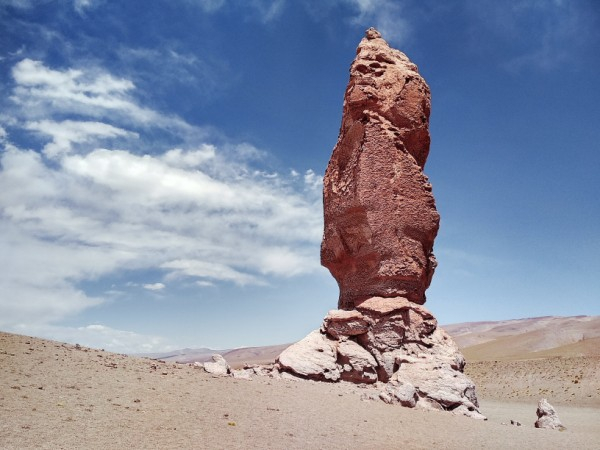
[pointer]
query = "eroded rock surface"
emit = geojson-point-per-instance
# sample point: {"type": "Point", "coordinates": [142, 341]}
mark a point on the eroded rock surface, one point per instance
{"type": "Point", "coordinates": [380, 224]}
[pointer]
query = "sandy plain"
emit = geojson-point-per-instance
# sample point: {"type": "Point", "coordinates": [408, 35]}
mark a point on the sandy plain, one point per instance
{"type": "Point", "coordinates": [55, 395]}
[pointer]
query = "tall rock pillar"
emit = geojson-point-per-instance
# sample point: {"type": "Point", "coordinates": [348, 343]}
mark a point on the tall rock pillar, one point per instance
{"type": "Point", "coordinates": [380, 224]}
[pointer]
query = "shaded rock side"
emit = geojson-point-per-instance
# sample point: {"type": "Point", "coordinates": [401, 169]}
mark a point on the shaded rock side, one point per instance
{"type": "Point", "coordinates": [380, 214]}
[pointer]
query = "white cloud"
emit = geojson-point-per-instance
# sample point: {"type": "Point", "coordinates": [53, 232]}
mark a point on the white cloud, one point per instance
{"type": "Point", "coordinates": [42, 92]}
{"type": "Point", "coordinates": [312, 180]}
{"type": "Point", "coordinates": [193, 158]}
{"type": "Point", "coordinates": [208, 269]}
{"type": "Point", "coordinates": [77, 212]}
{"type": "Point", "coordinates": [68, 132]}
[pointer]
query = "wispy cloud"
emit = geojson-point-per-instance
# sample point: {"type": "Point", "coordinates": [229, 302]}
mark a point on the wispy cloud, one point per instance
{"type": "Point", "coordinates": [206, 73]}
{"type": "Point", "coordinates": [92, 201]}
{"type": "Point", "coordinates": [261, 10]}
{"type": "Point", "coordinates": [41, 92]}
{"type": "Point", "coordinates": [385, 15]}
{"type": "Point", "coordinates": [154, 286]}
{"type": "Point", "coordinates": [545, 34]}
{"type": "Point", "coordinates": [211, 5]}
{"type": "Point", "coordinates": [267, 10]}
{"type": "Point", "coordinates": [390, 17]}
{"type": "Point", "coordinates": [81, 5]}
{"type": "Point", "coordinates": [68, 132]}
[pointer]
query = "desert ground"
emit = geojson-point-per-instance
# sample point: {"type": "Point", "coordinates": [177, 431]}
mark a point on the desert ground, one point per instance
{"type": "Point", "coordinates": [56, 395]}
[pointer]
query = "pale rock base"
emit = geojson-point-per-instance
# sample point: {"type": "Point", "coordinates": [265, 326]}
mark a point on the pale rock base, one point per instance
{"type": "Point", "coordinates": [394, 343]}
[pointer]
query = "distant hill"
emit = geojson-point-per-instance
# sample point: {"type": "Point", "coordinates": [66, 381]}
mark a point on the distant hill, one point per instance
{"type": "Point", "coordinates": [537, 337]}
{"type": "Point", "coordinates": [235, 357]}
{"type": "Point", "coordinates": [185, 355]}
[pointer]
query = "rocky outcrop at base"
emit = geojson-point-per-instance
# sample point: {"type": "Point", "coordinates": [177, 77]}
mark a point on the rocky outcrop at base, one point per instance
{"type": "Point", "coordinates": [392, 344]}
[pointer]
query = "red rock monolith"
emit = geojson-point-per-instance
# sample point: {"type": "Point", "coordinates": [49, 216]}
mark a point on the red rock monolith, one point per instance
{"type": "Point", "coordinates": [380, 224]}
{"type": "Point", "coordinates": [380, 215]}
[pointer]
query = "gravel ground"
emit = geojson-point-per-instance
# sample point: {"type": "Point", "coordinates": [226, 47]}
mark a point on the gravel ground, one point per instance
{"type": "Point", "coordinates": [55, 395]}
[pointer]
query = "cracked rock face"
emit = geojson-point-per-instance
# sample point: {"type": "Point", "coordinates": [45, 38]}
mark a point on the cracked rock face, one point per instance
{"type": "Point", "coordinates": [380, 224]}
{"type": "Point", "coordinates": [380, 215]}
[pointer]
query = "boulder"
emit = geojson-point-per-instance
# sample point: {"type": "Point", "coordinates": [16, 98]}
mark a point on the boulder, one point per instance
{"type": "Point", "coordinates": [314, 357]}
{"type": "Point", "coordinates": [242, 374]}
{"type": "Point", "coordinates": [439, 386]}
{"type": "Point", "coordinates": [547, 417]}
{"type": "Point", "coordinates": [218, 366]}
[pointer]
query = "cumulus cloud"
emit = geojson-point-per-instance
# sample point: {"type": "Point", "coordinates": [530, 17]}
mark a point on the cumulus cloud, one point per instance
{"type": "Point", "coordinates": [76, 209]}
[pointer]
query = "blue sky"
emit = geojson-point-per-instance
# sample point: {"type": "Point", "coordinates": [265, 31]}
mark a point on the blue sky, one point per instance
{"type": "Point", "coordinates": [161, 162]}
